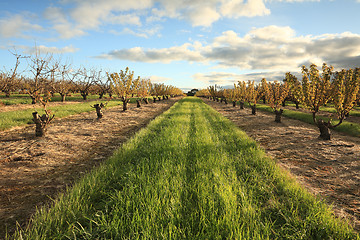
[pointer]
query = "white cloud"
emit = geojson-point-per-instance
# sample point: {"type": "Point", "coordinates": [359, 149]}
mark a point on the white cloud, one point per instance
{"type": "Point", "coordinates": [204, 13]}
{"type": "Point", "coordinates": [185, 52]}
{"type": "Point", "coordinates": [140, 33]}
{"type": "Point", "coordinates": [17, 26]}
{"type": "Point", "coordinates": [271, 48]}
{"type": "Point", "coordinates": [92, 14]}
{"type": "Point", "coordinates": [227, 79]}
{"type": "Point", "coordinates": [237, 8]}
{"type": "Point", "coordinates": [48, 50]}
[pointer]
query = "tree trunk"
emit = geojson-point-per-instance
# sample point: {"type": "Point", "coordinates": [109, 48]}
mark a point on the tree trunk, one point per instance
{"type": "Point", "coordinates": [164, 97]}
{"type": "Point", "coordinates": [138, 103]}
{"type": "Point", "coordinates": [159, 98]}
{"type": "Point", "coordinates": [253, 109]}
{"type": "Point", "coordinates": [40, 123]}
{"type": "Point", "coordinates": [7, 94]}
{"type": "Point", "coordinates": [146, 100]}
{"type": "Point", "coordinates": [62, 97]}
{"type": "Point", "coordinates": [154, 99]}
{"type": "Point", "coordinates": [324, 130]}
{"type": "Point", "coordinates": [125, 105]}
{"type": "Point", "coordinates": [101, 95]}
{"type": "Point", "coordinates": [225, 100]}
{"type": "Point", "coordinates": [234, 103]}
{"type": "Point", "coordinates": [297, 105]}
{"type": "Point", "coordinates": [84, 95]}
{"type": "Point", "coordinates": [284, 103]}
{"type": "Point", "coordinates": [98, 108]}
{"type": "Point", "coordinates": [242, 105]}
{"type": "Point", "coordinates": [278, 115]}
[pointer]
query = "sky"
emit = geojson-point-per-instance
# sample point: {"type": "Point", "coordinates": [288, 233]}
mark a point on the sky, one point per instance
{"type": "Point", "coordinates": [185, 43]}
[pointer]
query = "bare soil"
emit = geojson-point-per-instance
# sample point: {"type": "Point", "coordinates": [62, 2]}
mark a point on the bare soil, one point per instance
{"type": "Point", "coordinates": [328, 169]}
{"type": "Point", "coordinates": [34, 170]}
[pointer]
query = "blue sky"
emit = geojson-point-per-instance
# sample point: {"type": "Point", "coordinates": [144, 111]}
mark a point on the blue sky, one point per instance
{"type": "Point", "coordinates": [185, 43]}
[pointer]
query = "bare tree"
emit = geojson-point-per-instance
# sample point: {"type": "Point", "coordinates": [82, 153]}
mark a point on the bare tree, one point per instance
{"type": "Point", "coordinates": [9, 80]}
{"type": "Point", "coordinates": [41, 66]}
{"type": "Point", "coordinates": [83, 80]}
{"type": "Point", "coordinates": [61, 83]}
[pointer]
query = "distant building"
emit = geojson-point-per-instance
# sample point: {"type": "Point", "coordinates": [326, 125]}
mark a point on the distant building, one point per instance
{"type": "Point", "coordinates": [192, 92]}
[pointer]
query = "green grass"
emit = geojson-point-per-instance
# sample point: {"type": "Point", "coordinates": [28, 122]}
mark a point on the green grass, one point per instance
{"type": "Point", "coordinates": [20, 117]}
{"type": "Point", "coordinates": [14, 118]}
{"type": "Point", "coordinates": [350, 128]}
{"type": "Point", "coordinates": [191, 174]}
{"type": "Point", "coordinates": [330, 108]}
{"type": "Point", "coordinates": [25, 99]}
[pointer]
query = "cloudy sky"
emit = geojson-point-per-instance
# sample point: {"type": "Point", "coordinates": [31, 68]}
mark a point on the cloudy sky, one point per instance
{"type": "Point", "coordinates": [185, 43]}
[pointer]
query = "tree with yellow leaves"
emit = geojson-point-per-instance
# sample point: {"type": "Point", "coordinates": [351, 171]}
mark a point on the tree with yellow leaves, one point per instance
{"type": "Point", "coordinates": [253, 94]}
{"type": "Point", "coordinates": [143, 91]}
{"type": "Point", "coordinates": [317, 90]}
{"type": "Point", "coordinates": [124, 85]}
{"type": "Point", "coordinates": [241, 93]}
{"type": "Point", "coordinates": [275, 94]}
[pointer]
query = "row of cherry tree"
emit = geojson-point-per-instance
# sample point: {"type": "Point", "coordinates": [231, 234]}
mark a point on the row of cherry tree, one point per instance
{"type": "Point", "coordinates": [340, 88]}
{"type": "Point", "coordinates": [47, 76]}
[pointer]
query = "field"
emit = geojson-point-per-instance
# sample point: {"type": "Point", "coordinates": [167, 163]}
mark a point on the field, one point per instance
{"type": "Point", "coordinates": [190, 174]}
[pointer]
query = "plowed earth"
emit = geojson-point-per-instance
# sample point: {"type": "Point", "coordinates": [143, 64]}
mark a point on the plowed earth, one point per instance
{"type": "Point", "coordinates": [328, 169]}
{"type": "Point", "coordinates": [34, 170]}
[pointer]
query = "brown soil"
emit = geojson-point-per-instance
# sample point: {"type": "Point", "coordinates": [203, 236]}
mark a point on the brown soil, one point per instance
{"type": "Point", "coordinates": [34, 170]}
{"type": "Point", "coordinates": [328, 169]}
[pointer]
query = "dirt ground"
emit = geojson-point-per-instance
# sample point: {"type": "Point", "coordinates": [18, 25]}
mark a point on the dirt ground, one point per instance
{"type": "Point", "coordinates": [34, 170]}
{"type": "Point", "coordinates": [329, 169]}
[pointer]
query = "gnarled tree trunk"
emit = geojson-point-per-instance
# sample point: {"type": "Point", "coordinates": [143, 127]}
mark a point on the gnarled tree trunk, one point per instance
{"type": "Point", "coordinates": [125, 102]}
{"type": "Point", "coordinates": [324, 128]}
{"type": "Point", "coordinates": [278, 115]}
{"type": "Point", "coordinates": [41, 123]}
{"type": "Point", "coordinates": [98, 108]}
{"type": "Point", "coordinates": [242, 104]}
{"type": "Point", "coordinates": [253, 109]}
{"type": "Point", "coordinates": [234, 103]}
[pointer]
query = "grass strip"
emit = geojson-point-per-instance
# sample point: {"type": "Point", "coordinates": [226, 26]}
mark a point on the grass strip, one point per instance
{"type": "Point", "coordinates": [350, 128]}
{"type": "Point", "coordinates": [14, 118]}
{"type": "Point", "coordinates": [21, 117]}
{"type": "Point", "coordinates": [330, 108]}
{"type": "Point", "coordinates": [25, 98]}
{"type": "Point", "coordinates": [191, 174]}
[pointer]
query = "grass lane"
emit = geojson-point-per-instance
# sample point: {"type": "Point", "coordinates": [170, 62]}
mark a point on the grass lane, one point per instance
{"type": "Point", "coordinates": [191, 174]}
{"type": "Point", "coordinates": [21, 117]}
{"type": "Point", "coordinates": [14, 118]}
{"type": "Point", "coordinates": [350, 128]}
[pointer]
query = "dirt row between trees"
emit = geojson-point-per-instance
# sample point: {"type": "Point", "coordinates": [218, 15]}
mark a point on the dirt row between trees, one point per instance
{"type": "Point", "coordinates": [34, 170]}
{"type": "Point", "coordinates": [328, 169]}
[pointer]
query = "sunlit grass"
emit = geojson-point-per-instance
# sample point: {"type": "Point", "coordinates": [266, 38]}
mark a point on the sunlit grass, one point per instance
{"type": "Point", "coordinates": [191, 174]}
{"type": "Point", "coordinates": [20, 117]}
{"type": "Point", "coordinates": [14, 118]}
{"type": "Point", "coordinates": [350, 128]}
